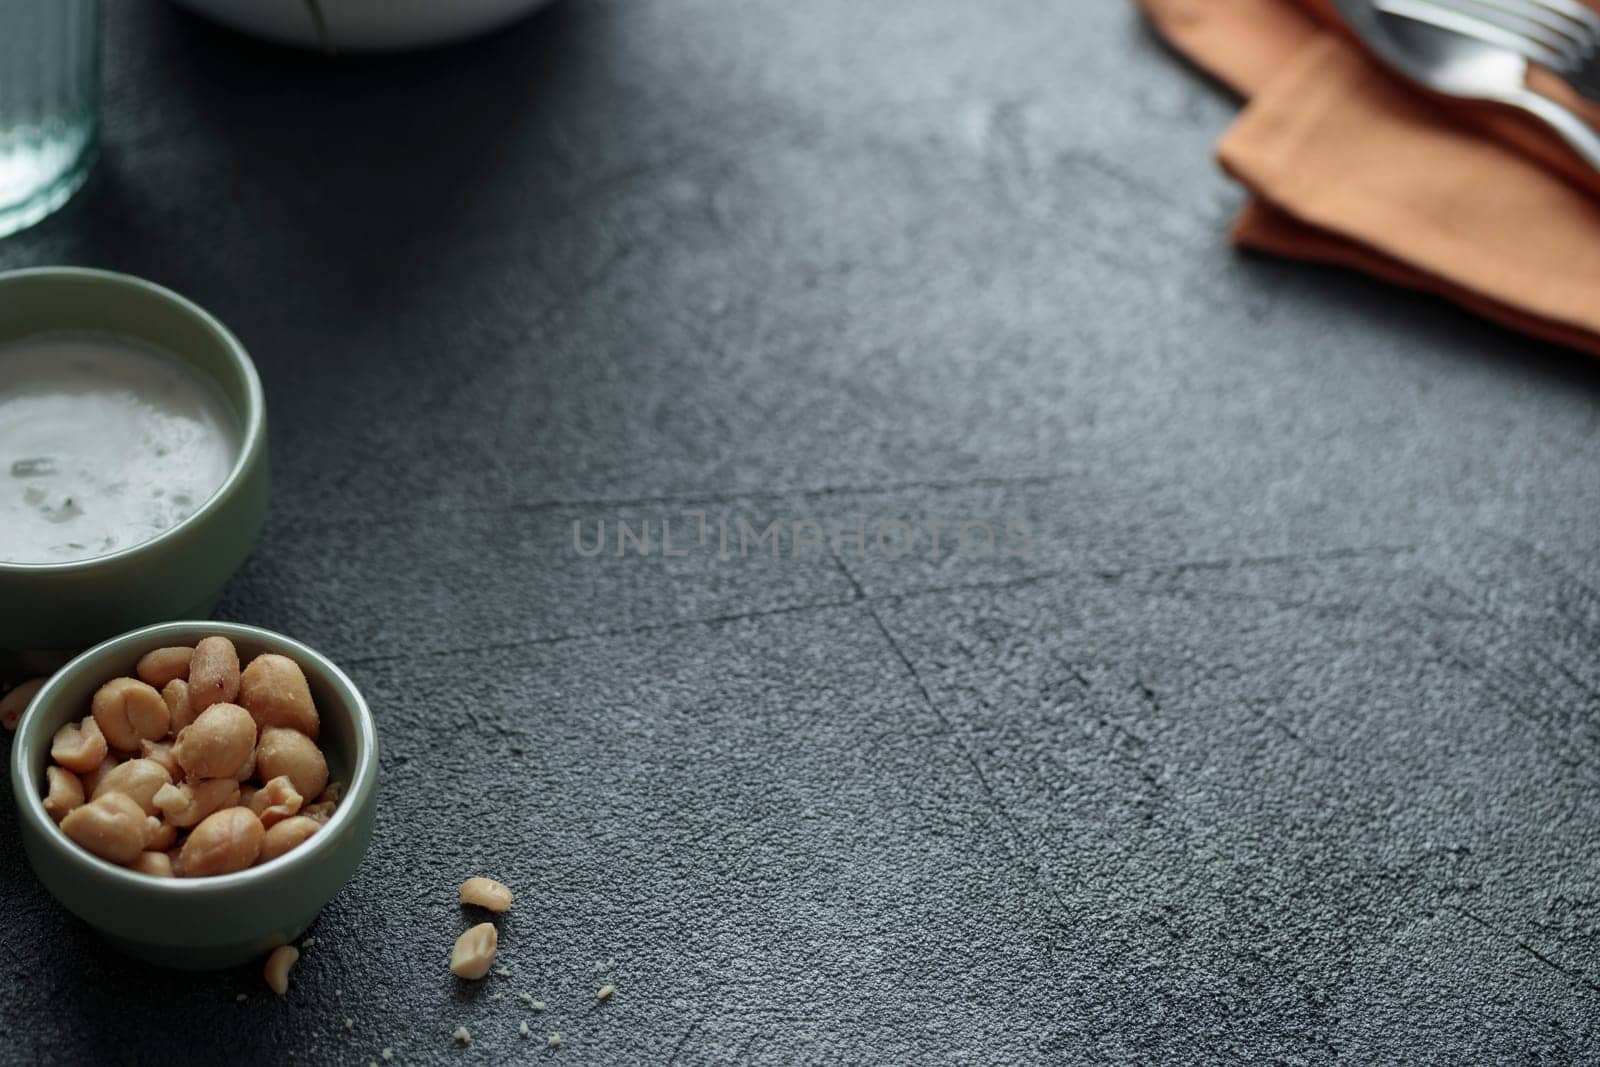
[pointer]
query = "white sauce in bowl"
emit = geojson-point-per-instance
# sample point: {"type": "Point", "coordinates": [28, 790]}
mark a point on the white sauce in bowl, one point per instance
{"type": "Point", "coordinates": [105, 442]}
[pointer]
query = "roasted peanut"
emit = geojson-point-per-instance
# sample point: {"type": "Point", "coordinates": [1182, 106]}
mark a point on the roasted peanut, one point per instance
{"type": "Point", "coordinates": [276, 971]}
{"type": "Point", "coordinates": [320, 812]}
{"type": "Point", "coordinates": [163, 665]}
{"type": "Point", "coordinates": [292, 753]}
{"type": "Point", "coordinates": [473, 954]}
{"type": "Point", "coordinates": [273, 689]}
{"type": "Point", "coordinates": [225, 841]}
{"type": "Point", "coordinates": [91, 781]}
{"type": "Point", "coordinates": [276, 801]}
{"type": "Point", "coordinates": [213, 674]}
{"type": "Point", "coordinates": [111, 826]}
{"type": "Point", "coordinates": [161, 752]}
{"type": "Point", "coordinates": [15, 703]}
{"type": "Point", "coordinates": [130, 711]}
{"type": "Point", "coordinates": [80, 747]}
{"type": "Point", "coordinates": [288, 834]}
{"type": "Point", "coordinates": [176, 696]}
{"type": "Point", "coordinates": [161, 835]}
{"type": "Point", "coordinates": [187, 804]}
{"type": "Point", "coordinates": [331, 794]}
{"type": "Point", "coordinates": [138, 778]}
{"type": "Point", "coordinates": [66, 792]}
{"type": "Point", "coordinates": [486, 893]}
{"type": "Point", "coordinates": [154, 863]}
{"type": "Point", "coordinates": [248, 771]}
{"type": "Point", "coordinates": [217, 744]}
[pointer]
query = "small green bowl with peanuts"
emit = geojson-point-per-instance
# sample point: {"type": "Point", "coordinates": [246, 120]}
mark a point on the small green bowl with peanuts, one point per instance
{"type": "Point", "coordinates": [196, 791]}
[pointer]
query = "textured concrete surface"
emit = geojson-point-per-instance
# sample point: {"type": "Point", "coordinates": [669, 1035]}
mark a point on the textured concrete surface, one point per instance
{"type": "Point", "coordinates": [1277, 738]}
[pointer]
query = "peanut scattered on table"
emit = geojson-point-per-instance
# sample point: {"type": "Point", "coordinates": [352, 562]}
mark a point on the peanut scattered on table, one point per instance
{"type": "Point", "coordinates": [474, 951]}
{"type": "Point", "coordinates": [486, 893]}
{"type": "Point", "coordinates": [15, 702]}
{"type": "Point", "coordinates": [277, 967]}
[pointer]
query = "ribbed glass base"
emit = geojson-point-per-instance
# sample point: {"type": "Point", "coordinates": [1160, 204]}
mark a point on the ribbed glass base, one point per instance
{"type": "Point", "coordinates": [50, 62]}
{"type": "Point", "coordinates": [59, 168]}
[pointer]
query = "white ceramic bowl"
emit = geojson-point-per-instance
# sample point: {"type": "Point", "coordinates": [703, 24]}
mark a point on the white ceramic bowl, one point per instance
{"type": "Point", "coordinates": [363, 25]}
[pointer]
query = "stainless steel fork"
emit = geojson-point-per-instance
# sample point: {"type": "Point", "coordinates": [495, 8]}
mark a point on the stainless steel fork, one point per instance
{"type": "Point", "coordinates": [1563, 35]}
{"type": "Point", "coordinates": [1467, 57]}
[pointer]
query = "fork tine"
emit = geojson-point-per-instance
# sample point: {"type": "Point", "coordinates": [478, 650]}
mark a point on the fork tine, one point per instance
{"type": "Point", "coordinates": [1512, 16]}
{"type": "Point", "coordinates": [1433, 13]}
{"type": "Point", "coordinates": [1582, 14]}
{"type": "Point", "coordinates": [1567, 17]}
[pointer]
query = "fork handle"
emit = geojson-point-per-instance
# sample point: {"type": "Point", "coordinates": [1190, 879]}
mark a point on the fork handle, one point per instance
{"type": "Point", "coordinates": [1578, 134]}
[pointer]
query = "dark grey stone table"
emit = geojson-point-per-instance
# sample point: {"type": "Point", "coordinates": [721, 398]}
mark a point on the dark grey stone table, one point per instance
{"type": "Point", "coordinates": [1270, 728]}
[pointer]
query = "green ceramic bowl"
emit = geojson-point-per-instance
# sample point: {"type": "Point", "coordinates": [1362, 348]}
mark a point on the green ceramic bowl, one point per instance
{"type": "Point", "coordinates": [54, 609]}
{"type": "Point", "coordinates": [200, 923]}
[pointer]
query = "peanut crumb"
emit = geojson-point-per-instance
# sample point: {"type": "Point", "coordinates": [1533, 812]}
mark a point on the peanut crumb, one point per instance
{"type": "Point", "coordinates": [307, 943]}
{"type": "Point", "coordinates": [388, 1053]}
{"type": "Point", "coordinates": [537, 1005]}
{"type": "Point", "coordinates": [241, 998]}
{"type": "Point", "coordinates": [522, 1030]}
{"type": "Point", "coordinates": [349, 1023]}
{"type": "Point", "coordinates": [554, 1041]}
{"type": "Point", "coordinates": [462, 1036]}
{"type": "Point", "coordinates": [605, 992]}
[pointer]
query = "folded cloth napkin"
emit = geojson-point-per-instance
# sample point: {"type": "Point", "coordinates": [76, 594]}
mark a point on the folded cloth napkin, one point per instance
{"type": "Point", "coordinates": [1348, 165]}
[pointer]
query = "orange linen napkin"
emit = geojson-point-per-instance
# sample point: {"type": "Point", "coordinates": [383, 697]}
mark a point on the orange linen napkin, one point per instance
{"type": "Point", "coordinates": [1351, 166]}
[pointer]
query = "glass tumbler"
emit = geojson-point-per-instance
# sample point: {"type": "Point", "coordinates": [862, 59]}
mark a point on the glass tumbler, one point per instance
{"type": "Point", "coordinates": [49, 94]}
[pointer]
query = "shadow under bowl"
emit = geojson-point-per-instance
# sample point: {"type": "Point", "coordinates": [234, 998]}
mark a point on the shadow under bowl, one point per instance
{"type": "Point", "coordinates": [199, 923]}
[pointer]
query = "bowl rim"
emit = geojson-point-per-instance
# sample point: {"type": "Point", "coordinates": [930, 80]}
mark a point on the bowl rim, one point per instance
{"type": "Point", "coordinates": [253, 419]}
{"type": "Point", "coordinates": [363, 773]}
